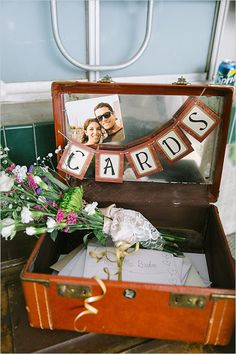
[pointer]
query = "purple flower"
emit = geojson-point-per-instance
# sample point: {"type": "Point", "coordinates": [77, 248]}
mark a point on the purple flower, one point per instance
{"type": "Point", "coordinates": [31, 168]}
{"type": "Point", "coordinates": [39, 190]}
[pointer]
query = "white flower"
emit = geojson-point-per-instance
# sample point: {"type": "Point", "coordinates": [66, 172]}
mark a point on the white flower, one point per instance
{"type": "Point", "coordinates": [6, 149]}
{"type": "Point", "coordinates": [20, 172]}
{"type": "Point", "coordinates": [35, 230]}
{"type": "Point", "coordinates": [90, 208]}
{"type": "Point", "coordinates": [26, 215]}
{"type": "Point", "coordinates": [50, 154]}
{"type": "Point", "coordinates": [42, 199]}
{"type": "Point", "coordinates": [40, 182]}
{"type": "Point", "coordinates": [8, 228]}
{"type": "Point", "coordinates": [6, 182]}
{"type": "Point", "coordinates": [31, 231]}
{"type": "Point", "coordinates": [58, 149]}
{"type": "Point", "coordinates": [51, 224]}
{"type": "Point", "coordinates": [3, 156]}
{"type": "Point", "coordinates": [37, 179]}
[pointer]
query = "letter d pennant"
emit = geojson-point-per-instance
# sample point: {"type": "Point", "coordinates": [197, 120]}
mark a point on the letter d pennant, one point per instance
{"type": "Point", "coordinates": [172, 144]}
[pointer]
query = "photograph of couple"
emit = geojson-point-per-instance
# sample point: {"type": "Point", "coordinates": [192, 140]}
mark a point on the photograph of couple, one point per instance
{"type": "Point", "coordinates": [95, 120]}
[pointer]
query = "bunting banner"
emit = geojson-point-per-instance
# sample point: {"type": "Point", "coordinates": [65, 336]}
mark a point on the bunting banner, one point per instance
{"type": "Point", "coordinates": [193, 117]}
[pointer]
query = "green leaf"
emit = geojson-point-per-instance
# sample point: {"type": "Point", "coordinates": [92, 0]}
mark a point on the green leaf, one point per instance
{"type": "Point", "coordinates": [53, 235]}
{"type": "Point", "coordinates": [14, 214]}
{"type": "Point", "coordinates": [100, 236]}
{"type": "Point", "coordinates": [42, 172]}
{"type": "Point", "coordinates": [85, 238]}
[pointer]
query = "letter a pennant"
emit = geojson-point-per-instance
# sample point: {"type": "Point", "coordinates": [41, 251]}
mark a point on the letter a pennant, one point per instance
{"type": "Point", "coordinates": [143, 159]}
{"type": "Point", "coordinates": [109, 166]}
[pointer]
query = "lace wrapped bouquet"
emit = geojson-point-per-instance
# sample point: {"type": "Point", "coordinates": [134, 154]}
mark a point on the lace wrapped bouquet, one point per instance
{"type": "Point", "coordinates": [35, 200]}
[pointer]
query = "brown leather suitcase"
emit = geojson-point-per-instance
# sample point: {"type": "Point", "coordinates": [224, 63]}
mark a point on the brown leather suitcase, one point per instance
{"type": "Point", "coordinates": [178, 198]}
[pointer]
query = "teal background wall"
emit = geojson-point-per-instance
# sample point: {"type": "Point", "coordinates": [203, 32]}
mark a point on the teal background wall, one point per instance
{"type": "Point", "coordinates": [27, 142]}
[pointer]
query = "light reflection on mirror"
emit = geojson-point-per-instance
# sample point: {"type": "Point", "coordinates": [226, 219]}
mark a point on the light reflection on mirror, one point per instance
{"type": "Point", "coordinates": [141, 115]}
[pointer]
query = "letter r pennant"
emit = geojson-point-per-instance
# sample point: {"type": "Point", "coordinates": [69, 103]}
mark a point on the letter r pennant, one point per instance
{"type": "Point", "coordinates": [143, 159]}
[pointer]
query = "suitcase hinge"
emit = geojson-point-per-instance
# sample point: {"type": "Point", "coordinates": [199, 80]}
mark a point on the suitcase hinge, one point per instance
{"type": "Point", "coordinates": [187, 300]}
{"type": "Point", "coordinates": [106, 79]}
{"type": "Point", "coordinates": [216, 297]}
{"type": "Point", "coordinates": [181, 81]}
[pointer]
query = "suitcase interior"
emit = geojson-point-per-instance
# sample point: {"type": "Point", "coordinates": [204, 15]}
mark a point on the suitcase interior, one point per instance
{"type": "Point", "coordinates": [199, 224]}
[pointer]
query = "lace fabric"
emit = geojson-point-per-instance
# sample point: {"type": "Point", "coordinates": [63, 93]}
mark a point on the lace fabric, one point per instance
{"type": "Point", "coordinates": [130, 226]}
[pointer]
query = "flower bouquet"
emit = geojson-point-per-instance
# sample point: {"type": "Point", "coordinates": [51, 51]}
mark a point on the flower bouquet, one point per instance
{"type": "Point", "coordinates": [37, 200]}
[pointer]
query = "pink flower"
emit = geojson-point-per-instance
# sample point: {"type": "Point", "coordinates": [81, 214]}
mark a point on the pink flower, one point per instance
{"type": "Point", "coordinates": [71, 218]}
{"type": "Point", "coordinates": [66, 229]}
{"type": "Point", "coordinates": [60, 215]}
{"type": "Point", "coordinates": [32, 182]}
{"type": "Point", "coordinates": [38, 207]}
{"type": "Point", "coordinates": [55, 205]}
{"type": "Point", "coordinates": [11, 168]}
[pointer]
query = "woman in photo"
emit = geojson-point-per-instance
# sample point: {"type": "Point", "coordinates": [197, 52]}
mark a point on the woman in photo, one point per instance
{"type": "Point", "coordinates": [92, 132]}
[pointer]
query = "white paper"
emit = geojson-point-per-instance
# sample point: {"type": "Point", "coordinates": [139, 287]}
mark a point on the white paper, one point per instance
{"type": "Point", "coordinates": [78, 268]}
{"type": "Point", "coordinates": [75, 267]}
{"type": "Point", "coordinates": [194, 279]}
{"type": "Point", "coordinates": [148, 266]}
{"type": "Point", "coordinates": [198, 260]}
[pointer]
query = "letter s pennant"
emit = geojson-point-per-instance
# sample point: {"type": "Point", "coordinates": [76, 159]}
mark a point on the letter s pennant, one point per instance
{"type": "Point", "coordinates": [195, 117]}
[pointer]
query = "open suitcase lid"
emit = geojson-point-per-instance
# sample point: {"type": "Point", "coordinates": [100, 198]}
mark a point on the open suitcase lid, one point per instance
{"type": "Point", "coordinates": [197, 115]}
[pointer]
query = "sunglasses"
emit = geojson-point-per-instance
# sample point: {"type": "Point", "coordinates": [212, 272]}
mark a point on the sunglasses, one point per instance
{"type": "Point", "coordinates": [105, 115]}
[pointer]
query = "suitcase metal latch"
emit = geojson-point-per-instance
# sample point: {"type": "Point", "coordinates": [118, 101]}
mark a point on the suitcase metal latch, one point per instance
{"type": "Point", "coordinates": [73, 290]}
{"type": "Point", "coordinates": [187, 300]}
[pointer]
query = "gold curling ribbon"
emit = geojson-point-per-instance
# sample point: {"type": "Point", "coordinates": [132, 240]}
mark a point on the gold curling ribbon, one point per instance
{"type": "Point", "coordinates": [121, 252]}
{"type": "Point", "coordinates": [106, 270]}
{"type": "Point", "coordinates": [90, 310]}
{"type": "Point", "coordinates": [98, 255]}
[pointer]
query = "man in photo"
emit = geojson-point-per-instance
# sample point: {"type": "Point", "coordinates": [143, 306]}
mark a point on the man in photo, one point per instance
{"type": "Point", "coordinates": [106, 117]}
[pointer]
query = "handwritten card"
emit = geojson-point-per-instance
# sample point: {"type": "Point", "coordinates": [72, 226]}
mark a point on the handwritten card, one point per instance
{"type": "Point", "coordinates": [146, 266]}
